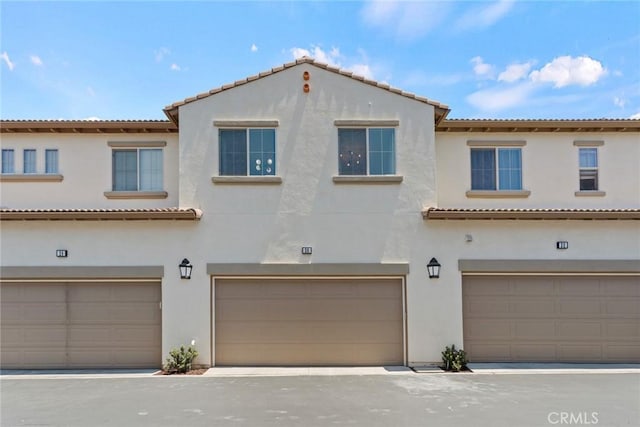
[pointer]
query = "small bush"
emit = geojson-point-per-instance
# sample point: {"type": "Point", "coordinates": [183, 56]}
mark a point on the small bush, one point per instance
{"type": "Point", "coordinates": [454, 360]}
{"type": "Point", "coordinates": [180, 360]}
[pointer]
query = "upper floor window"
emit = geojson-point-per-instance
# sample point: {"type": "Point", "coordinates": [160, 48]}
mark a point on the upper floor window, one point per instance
{"type": "Point", "coordinates": [51, 161]}
{"type": "Point", "coordinates": [366, 151]}
{"type": "Point", "coordinates": [8, 161]}
{"type": "Point", "coordinates": [29, 161]}
{"type": "Point", "coordinates": [496, 168]}
{"type": "Point", "coordinates": [247, 152]}
{"type": "Point", "coordinates": [588, 158]}
{"type": "Point", "coordinates": [137, 169]}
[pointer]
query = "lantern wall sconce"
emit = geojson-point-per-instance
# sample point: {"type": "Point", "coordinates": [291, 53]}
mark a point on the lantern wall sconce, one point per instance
{"type": "Point", "coordinates": [185, 269]}
{"type": "Point", "coordinates": [433, 268]}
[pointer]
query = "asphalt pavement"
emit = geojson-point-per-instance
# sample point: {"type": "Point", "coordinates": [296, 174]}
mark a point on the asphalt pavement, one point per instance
{"type": "Point", "coordinates": [397, 399]}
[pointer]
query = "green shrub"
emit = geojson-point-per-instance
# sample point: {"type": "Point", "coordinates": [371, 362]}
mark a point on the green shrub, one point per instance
{"type": "Point", "coordinates": [180, 360]}
{"type": "Point", "coordinates": [454, 360]}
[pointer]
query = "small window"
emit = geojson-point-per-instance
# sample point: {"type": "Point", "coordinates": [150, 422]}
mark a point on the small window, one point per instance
{"type": "Point", "coordinates": [7, 161]}
{"type": "Point", "coordinates": [51, 161]}
{"type": "Point", "coordinates": [496, 169]}
{"type": "Point", "coordinates": [258, 158]}
{"type": "Point", "coordinates": [137, 170]}
{"type": "Point", "coordinates": [29, 161]}
{"type": "Point", "coordinates": [588, 169]}
{"type": "Point", "coordinates": [366, 151]}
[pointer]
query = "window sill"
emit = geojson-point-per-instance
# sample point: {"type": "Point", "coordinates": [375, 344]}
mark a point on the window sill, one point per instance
{"type": "Point", "coordinates": [498, 194]}
{"type": "Point", "coordinates": [266, 179]}
{"type": "Point", "coordinates": [135, 194]}
{"type": "Point", "coordinates": [31, 177]}
{"type": "Point", "coordinates": [367, 179]}
{"type": "Point", "coordinates": [590, 193]}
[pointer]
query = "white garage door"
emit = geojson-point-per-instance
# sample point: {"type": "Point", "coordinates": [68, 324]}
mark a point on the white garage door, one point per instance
{"type": "Point", "coordinates": [552, 318]}
{"type": "Point", "coordinates": [80, 325]}
{"type": "Point", "coordinates": [308, 322]}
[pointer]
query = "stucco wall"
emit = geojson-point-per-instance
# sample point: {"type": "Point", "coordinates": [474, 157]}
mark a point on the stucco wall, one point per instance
{"type": "Point", "coordinates": [550, 170]}
{"type": "Point", "coordinates": [85, 164]}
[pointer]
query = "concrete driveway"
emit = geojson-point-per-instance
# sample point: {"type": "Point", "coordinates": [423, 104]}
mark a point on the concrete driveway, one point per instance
{"type": "Point", "coordinates": [597, 397]}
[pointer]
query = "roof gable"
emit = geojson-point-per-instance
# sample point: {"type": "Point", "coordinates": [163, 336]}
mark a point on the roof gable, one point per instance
{"type": "Point", "coordinates": [441, 110]}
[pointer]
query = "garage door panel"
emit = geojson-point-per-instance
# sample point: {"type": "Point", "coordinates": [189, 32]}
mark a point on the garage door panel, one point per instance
{"type": "Point", "coordinates": [534, 329]}
{"type": "Point", "coordinates": [34, 293]}
{"type": "Point", "coordinates": [33, 313]}
{"type": "Point", "coordinates": [482, 304]}
{"type": "Point", "coordinates": [534, 352]}
{"type": "Point", "coordinates": [623, 352]}
{"type": "Point", "coordinates": [482, 329]}
{"type": "Point", "coordinates": [308, 321]}
{"type": "Point", "coordinates": [488, 286]}
{"type": "Point", "coordinates": [588, 307]}
{"type": "Point", "coordinates": [616, 330]}
{"type": "Point", "coordinates": [87, 330]}
{"type": "Point", "coordinates": [535, 308]}
{"type": "Point", "coordinates": [542, 286]}
{"type": "Point", "coordinates": [622, 287]}
{"type": "Point", "coordinates": [579, 286]}
{"type": "Point", "coordinates": [579, 330]}
{"type": "Point", "coordinates": [579, 352]}
{"type": "Point", "coordinates": [586, 319]}
{"type": "Point", "coordinates": [626, 308]}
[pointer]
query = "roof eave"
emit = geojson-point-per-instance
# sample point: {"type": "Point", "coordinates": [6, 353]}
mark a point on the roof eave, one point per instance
{"type": "Point", "coordinates": [530, 214]}
{"type": "Point", "coordinates": [188, 214]}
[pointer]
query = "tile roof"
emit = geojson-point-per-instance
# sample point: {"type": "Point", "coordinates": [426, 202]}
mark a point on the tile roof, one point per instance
{"type": "Point", "coordinates": [87, 126]}
{"type": "Point", "coordinates": [531, 214]}
{"type": "Point", "coordinates": [100, 214]}
{"type": "Point", "coordinates": [539, 125]}
{"type": "Point", "coordinates": [172, 110]}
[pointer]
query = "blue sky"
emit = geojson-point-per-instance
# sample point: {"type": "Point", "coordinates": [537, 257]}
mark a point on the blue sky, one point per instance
{"type": "Point", "coordinates": [494, 59]}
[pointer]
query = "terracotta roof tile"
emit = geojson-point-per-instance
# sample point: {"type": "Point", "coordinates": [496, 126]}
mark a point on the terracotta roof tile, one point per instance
{"type": "Point", "coordinates": [441, 109]}
{"type": "Point", "coordinates": [100, 214]}
{"type": "Point", "coordinates": [532, 214]}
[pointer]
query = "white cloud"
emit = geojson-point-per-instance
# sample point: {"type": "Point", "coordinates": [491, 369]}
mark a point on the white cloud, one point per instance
{"type": "Point", "coordinates": [484, 16]}
{"type": "Point", "coordinates": [481, 68]}
{"type": "Point", "coordinates": [175, 67]}
{"type": "Point", "coordinates": [92, 119]}
{"type": "Point", "coordinates": [35, 60]}
{"type": "Point", "coordinates": [335, 59]}
{"type": "Point", "coordinates": [566, 70]}
{"type": "Point", "coordinates": [619, 102]}
{"type": "Point", "coordinates": [5, 57]}
{"type": "Point", "coordinates": [407, 20]}
{"type": "Point", "coordinates": [514, 72]}
{"type": "Point", "coordinates": [254, 48]}
{"type": "Point", "coordinates": [497, 99]}
{"type": "Point", "coordinates": [636, 116]}
{"type": "Point", "coordinates": [161, 53]}
{"type": "Point", "coordinates": [332, 57]}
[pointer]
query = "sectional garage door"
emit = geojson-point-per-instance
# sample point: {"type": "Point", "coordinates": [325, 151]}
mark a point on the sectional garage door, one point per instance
{"type": "Point", "coordinates": [308, 322]}
{"type": "Point", "coordinates": [80, 325]}
{"type": "Point", "coordinates": [552, 318]}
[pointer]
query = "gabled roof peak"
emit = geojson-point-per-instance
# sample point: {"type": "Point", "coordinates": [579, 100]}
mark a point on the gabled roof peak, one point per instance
{"type": "Point", "coordinates": [441, 110]}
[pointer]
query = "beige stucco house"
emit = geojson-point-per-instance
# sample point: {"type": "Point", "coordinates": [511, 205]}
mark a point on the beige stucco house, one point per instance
{"type": "Point", "coordinates": [308, 202]}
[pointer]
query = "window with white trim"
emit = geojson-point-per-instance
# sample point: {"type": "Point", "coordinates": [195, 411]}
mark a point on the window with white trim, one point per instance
{"type": "Point", "coordinates": [247, 152]}
{"type": "Point", "coordinates": [29, 161]}
{"type": "Point", "coordinates": [8, 161]}
{"type": "Point", "coordinates": [588, 159]}
{"type": "Point", "coordinates": [51, 161]}
{"type": "Point", "coordinates": [366, 151]}
{"type": "Point", "coordinates": [496, 168]}
{"type": "Point", "coordinates": [137, 169]}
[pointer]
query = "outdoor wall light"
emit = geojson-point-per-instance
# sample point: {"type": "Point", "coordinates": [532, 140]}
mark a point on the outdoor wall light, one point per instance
{"type": "Point", "coordinates": [433, 268]}
{"type": "Point", "coordinates": [185, 269]}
